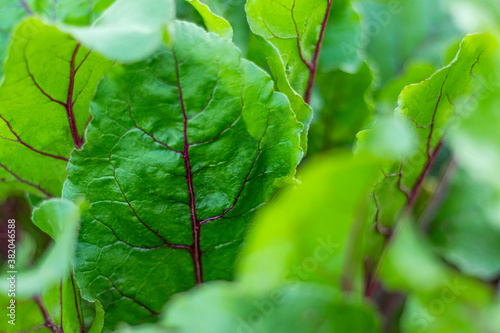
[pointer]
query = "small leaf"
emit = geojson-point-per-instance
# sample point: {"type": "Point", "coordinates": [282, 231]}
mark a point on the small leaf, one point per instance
{"type": "Point", "coordinates": [182, 150]}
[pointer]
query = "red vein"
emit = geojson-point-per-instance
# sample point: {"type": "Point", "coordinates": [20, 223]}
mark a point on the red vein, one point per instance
{"type": "Point", "coordinates": [84, 59]}
{"type": "Point", "coordinates": [19, 140]}
{"type": "Point", "coordinates": [196, 249]}
{"type": "Point", "coordinates": [19, 179]}
{"type": "Point", "coordinates": [39, 87]}
{"type": "Point", "coordinates": [314, 63]}
{"type": "Point", "coordinates": [49, 323]}
{"type": "Point", "coordinates": [150, 135]}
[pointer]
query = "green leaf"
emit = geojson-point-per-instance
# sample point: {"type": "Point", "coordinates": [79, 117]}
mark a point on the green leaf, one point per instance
{"type": "Point", "coordinates": [432, 108]}
{"type": "Point", "coordinates": [59, 218]}
{"type": "Point", "coordinates": [313, 232]}
{"type": "Point", "coordinates": [291, 31]}
{"type": "Point", "coordinates": [293, 27]}
{"type": "Point", "coordinates": [233, 308]}
{"type": "Point", "coordinates": [44, 103]}
{"type": "Point", "coordinates": [391, 45]}
{"type": "Point", "coordinates": [213, 22]}
{"type": "Point", "coordinates": [127, 31]}
{"type": "Point", "coordinates": [182, 150]}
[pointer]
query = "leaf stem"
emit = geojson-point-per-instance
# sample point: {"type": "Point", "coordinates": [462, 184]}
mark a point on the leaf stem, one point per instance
{"type": "Point", "coordinates": [196, 225]}
{"type": "Point", "coordinates": [69, 101]}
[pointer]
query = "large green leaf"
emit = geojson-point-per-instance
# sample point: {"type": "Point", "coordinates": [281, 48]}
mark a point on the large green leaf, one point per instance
{"type": "Point", "coordinates": [58, 218]}
{"type": "Point", "coordinates": [44, 105]}
{"type": "Point", "coordinates": [127, 31]}
{"type": "Point", "coordinates": [441, 300]}
{"type": "Point", "coordinates": [182, 149]}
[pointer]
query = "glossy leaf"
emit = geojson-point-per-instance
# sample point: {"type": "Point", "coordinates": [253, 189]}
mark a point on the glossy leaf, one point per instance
{"type": "Point", "coordinates": [127, 31]}
{"type": "Point", "coordinates": [441, 300]}
{"type": "Point", "coordinates": [81, 12]}
{"type": "Point", "coordinates": [208, 133]}
{"type": "Point", "coordinates": [316, 240]}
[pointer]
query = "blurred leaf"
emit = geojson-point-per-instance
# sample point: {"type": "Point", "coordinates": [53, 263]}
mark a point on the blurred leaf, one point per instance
{"type": "Point", "coordinates": [209, 127]}
{"type": "Point", "coordinates": [214, 23]}
{"type": "Point", "coordinates": [397, 31]}
{"type": "Point", "coordinates": [81, 12]}
{"type": "Point", "coordinates": [414, 73]}
{"type": "Point", "coordinates": [128, 31]}
{"type": "Point", "coordinates": [44, 112]}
